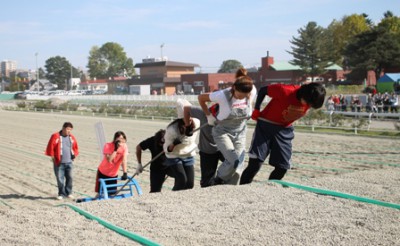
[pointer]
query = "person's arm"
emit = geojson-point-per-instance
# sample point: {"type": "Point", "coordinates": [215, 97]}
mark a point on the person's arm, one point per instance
{"type": "Point", "coordinates": [109, 155]}
{"type": "Point", "coordinates": [262, 92]}
{"type": "Point", "coordinates": [187, 115]}
{"type": "Point", "coordinates": [203, 99]}
{"type": "Point", "coordinates": [139, 154]}
{"type": "Point", "coordinates": [139, 167]}
{"type": "Point", "coordinates": [125, 163]}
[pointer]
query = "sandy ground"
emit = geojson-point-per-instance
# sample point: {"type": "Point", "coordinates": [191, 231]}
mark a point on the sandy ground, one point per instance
{"type": "Point", "coordinates": [263, 213]}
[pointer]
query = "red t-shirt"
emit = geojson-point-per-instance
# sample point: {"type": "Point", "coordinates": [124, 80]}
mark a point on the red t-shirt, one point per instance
{"type": "Point", "coordinates": [284, 108]}
{"type": "Point", "coordinates": [111, 168]}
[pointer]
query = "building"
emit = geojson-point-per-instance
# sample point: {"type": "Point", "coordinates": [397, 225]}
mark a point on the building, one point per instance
{"type": "Point", "coordinates": [163, 76]}
{"type": "Point", "coordinates": [205, 82]}
{"type": "Point", "coordinates": [94, 85]}
{"type": "Point", "coordinates": [7, 67]}
{"type": "Point", "coordinates": [283, 72]}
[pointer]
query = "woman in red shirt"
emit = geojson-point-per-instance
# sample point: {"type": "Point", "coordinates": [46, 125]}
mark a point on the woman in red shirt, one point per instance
{"type": "Point", "coordinates": [115, 154]}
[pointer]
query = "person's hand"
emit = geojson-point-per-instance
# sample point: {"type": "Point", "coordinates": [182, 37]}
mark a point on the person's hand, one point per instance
{"type": "Point", "coordinates": [255, 114]}
{"type": "Point", "coordinates": [176, 141]}
{"type": "Point", "coordinates": [124, 176]}
{"type": "Point", "coordinates": [116, 145]}
{"type": "Point", "coordinates": [211, 120]}
{"type": "Point", "coordinates": [139, 169]}
{"type": "Point", "coordinates": [189, 130]}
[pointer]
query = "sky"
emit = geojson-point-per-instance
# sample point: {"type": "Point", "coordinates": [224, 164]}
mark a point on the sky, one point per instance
{"type": "Point", "coordinates": [205, 32]}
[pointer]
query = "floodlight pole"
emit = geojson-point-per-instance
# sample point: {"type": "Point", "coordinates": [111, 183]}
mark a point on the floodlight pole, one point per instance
{"type": "Point", "coordinates": [37, 72]}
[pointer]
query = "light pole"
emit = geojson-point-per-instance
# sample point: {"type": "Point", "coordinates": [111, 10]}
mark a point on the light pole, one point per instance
{"type": "Point", "coordinates": [37, 72]}
{"type": "Point", "coordinates": [161, 47]}
{"type": "Point", "coordinates": [71, 75]}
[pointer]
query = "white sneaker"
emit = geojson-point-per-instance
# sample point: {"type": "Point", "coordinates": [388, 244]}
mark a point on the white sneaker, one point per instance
{"type": "Point", "coordinates": [70, 196]}
{"type": "Point", "coordinates": [59, 198]}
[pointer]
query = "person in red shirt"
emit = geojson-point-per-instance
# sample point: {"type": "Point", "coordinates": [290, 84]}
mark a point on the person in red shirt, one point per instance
{"type": "Point", "coordinates": [115, 154]}
{"type": "Point", "coordinates": [273, 134]}
{"type": "Point", "coordinates": [63, 148]}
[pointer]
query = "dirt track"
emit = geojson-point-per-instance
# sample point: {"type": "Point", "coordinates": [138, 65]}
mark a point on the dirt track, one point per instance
{"type": "Point", "coordinates": [28, 186]}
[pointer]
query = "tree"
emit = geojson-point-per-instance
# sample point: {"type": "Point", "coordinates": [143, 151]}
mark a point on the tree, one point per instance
{"type": "Point", "coordinates": [230, 66]}
{"type": "Point", "coordinates": [59, 71]}
{"type": "Point", "coordinates": [390, 22]}
{"type": "Point", "coordinates": [339, 34]}
{"type": "Point", "coordinates": [376, 50]}
{"type": "Point", "coordinates": [109, 60]}
{"type": "Point", "coordinates": [309, 50]}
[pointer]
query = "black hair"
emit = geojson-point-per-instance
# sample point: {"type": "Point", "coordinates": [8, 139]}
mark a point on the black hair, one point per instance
{"type": "Point", "coordinates": [67, 124]}
{"type": "Point", "coordinates": [313, 93]}
{"type": "Point", "coordinates": [188, 131]}
{"type": "Point", "coordinates": [118, 134]}
{"type": "Point", "coordinates": [159, 137]}
{"type": "Point", "coordinates": [181, 125]}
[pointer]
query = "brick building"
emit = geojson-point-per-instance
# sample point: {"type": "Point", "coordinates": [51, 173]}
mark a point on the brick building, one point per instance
{"type": "Point", "coordinates": [163, 76]}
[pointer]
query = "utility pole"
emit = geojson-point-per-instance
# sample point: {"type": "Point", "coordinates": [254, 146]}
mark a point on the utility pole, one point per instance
{"type": "Point", "coordinates": [37, 73]}
{"type": "Point", "coordinates": [161, 47]}
{"type": "Point", "coordinates": [71, 75]}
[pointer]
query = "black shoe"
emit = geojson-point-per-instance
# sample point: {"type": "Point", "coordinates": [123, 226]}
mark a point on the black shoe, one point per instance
{"type": "Point", "coordinates": [217, 181]}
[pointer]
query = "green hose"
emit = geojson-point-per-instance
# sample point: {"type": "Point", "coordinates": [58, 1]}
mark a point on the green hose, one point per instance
{"type": "Point", "coordinates": [123, 232]}
{"type": "Point", "coordinates": [337, 194]}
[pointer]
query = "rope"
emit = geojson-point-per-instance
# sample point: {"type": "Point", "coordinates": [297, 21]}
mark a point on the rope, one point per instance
{"type": "Point", "coordinates": [123, 232]}
{"type": "Point", "coordinates": [337, 194]}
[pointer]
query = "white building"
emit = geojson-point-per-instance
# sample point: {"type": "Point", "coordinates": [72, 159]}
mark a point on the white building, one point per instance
{"type": "Point", "coordinates": [7, 67]}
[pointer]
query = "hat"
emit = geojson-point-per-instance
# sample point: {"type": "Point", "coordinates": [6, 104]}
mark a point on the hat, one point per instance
{"type": "Point", "coordinates": [180, 104]}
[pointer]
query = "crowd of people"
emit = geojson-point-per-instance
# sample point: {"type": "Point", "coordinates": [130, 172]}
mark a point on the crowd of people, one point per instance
{"type": "Point", "coordinates": [374, 103]}
{"type": "Point", "coordinates": [220, 122]}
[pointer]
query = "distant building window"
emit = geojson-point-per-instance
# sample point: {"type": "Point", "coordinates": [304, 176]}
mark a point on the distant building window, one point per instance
{"type": "Point", "coordinates": [198, 83]}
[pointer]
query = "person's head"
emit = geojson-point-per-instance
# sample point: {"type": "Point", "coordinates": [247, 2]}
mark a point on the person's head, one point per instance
{"type": "Point", "coordinates": [243, 85]}
{"type": "Point", "coordinates": [119, 136]}
{"type": "Point", "coordinates": [67, 128]}
{"type": "Point", "coordinates": [184, 130]}
{"type": "Point", "coordinates": [313, 94]}
{"type": "Point", "coordinates": [159, 137]}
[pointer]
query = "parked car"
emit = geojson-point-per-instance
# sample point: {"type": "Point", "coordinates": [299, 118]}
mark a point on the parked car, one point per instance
{"type": "Point", "coordinates": [20, 95]}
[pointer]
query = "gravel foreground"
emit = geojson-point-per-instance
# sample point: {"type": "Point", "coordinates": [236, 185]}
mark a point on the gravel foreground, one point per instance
{"type": "Point", "coordinates": [263, 213]}
{"type": "Point", "coordinates": [256, 214]}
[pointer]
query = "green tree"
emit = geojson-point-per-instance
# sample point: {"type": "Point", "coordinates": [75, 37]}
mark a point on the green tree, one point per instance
{"type": "Point", "coordinates": [109, 60]}
{"type": "Point", "coordinates": [309, 50]}
{"type": "Point", "coordinates": [230, 66]}
{"type": "Point", "coordinates": [340, 33]}
{"type": "Point", "coordinates": [376, 50]}
{"type": "Point", "coordinates": [390, 23]}
{"type": "Point", "coordinates": [59, 71]}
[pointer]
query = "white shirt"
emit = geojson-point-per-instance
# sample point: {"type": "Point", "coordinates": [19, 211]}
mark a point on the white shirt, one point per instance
{"type": "Point", "coordinates": [224, 105]}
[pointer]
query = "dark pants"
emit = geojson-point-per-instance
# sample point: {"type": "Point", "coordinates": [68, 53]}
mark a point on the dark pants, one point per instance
{"type": "Point", "coordinates": [110, 191]}
{"type": "Point", "coordinates": [184, 176]}
{"type": "Point", "coordinates": [157, 178]}
{"type": "Point", "coordinates": [254, 166]}
{"type": "Point", "coordinates": [208, 166]}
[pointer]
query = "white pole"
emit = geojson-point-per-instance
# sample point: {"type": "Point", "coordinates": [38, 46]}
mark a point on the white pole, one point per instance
{"type": "Point", "coordinates": [37, 72]}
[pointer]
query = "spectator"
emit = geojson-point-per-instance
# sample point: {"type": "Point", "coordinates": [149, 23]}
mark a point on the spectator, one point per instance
{"type": "Point", "coordinates": [63, 149]}
{"type": "Point", "coordinates": [386, 102]}
{"type": "Point", "coordinates": [330, 104]}
{"type": "Point", "coordinates": [343, 103]}
{"type": "Point", "coordinates": [394, 99]}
